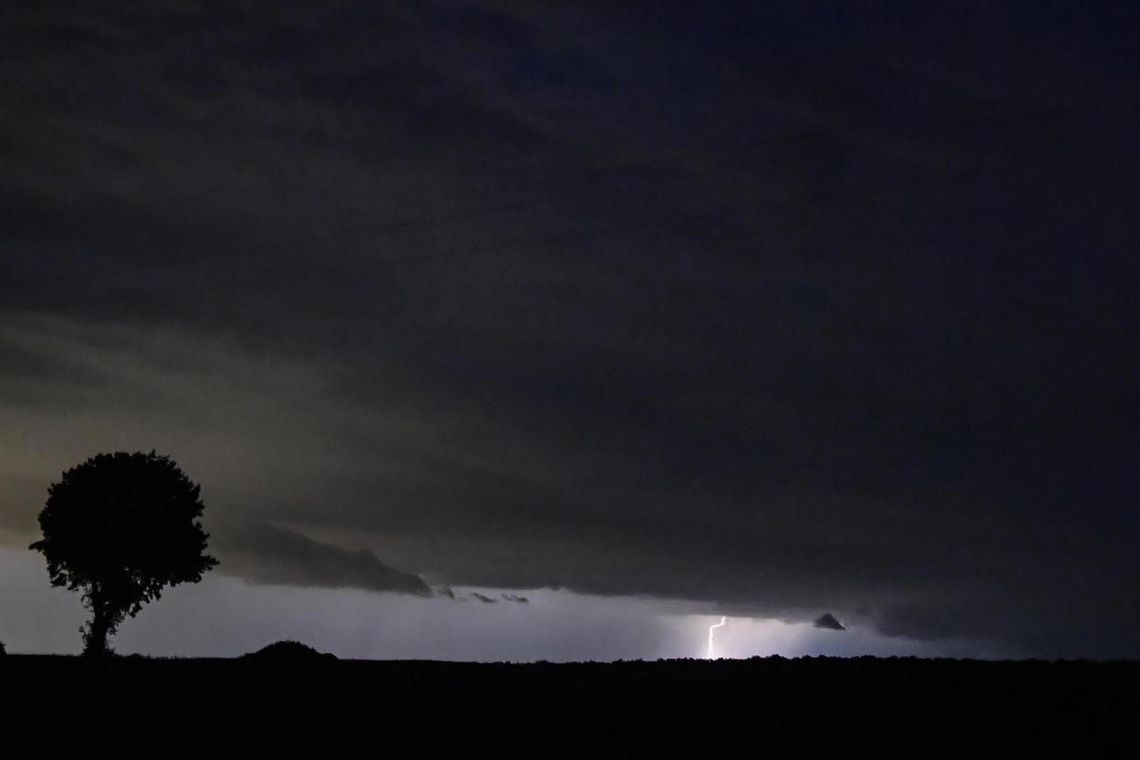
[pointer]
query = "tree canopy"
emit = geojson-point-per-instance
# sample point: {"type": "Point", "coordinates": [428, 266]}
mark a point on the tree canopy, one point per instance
{"type": "Point", "coordinates": [119, 528]}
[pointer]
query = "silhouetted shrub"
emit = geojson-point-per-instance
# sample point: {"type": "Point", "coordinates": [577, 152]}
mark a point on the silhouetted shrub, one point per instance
{"type": "Point", "coordinates": [2, 652]}
{"type": "Point", "coordinates": [288, 651]}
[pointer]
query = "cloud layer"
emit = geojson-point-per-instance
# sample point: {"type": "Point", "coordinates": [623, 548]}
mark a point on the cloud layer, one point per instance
{"type": "Point", "coordinates": [770, 309]}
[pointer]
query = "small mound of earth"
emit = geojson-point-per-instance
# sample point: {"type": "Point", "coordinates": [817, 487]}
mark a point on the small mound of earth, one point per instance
{"type": "Point", "coordinates": [288, 651]}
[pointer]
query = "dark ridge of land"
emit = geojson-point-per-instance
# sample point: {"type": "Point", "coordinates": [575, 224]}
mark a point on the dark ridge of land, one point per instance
{"type": "Point", "coordinates": [55, 707]}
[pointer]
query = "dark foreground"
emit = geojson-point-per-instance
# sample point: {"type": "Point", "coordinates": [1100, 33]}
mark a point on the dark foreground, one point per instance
{"type": "Point", "coordinates": [822, 708]}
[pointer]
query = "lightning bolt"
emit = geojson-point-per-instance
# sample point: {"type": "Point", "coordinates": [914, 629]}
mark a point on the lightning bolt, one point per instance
{"type": "Point", "coordinates": [713, 628]}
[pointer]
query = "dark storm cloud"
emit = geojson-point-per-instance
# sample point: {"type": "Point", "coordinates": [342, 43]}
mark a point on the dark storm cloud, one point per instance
{"type": "Point", "coordinates": [771, 308]}
{"type": "Point", "coordinates": [828, 621]}
{"type": "Point", "coordinates": [265, 554]}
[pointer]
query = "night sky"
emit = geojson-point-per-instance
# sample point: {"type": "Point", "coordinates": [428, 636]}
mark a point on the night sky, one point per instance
{"type": "Point", "coordinates": [643, 313]}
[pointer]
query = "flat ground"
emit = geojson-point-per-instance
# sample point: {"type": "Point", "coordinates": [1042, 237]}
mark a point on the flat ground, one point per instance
{"type": "Point", "coordinates": [53, 706]}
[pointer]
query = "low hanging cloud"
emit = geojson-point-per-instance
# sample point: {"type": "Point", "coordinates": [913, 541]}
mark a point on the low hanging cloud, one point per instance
{"type": "Point", "coordinates": [828, 621]}
{"type": "Point", "coordinates": [270, 555]}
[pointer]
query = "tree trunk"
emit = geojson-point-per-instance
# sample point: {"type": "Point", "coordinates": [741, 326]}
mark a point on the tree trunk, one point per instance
{"type": "Point", "coordinates": [95, 637]}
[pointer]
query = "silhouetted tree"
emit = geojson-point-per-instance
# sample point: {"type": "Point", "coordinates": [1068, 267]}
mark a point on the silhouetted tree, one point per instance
{"type": "Point", "coordinates": [120, 527]}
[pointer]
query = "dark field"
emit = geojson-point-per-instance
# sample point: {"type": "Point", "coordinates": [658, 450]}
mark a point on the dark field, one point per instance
{"type": "Point", "coordinates": [136, 707]}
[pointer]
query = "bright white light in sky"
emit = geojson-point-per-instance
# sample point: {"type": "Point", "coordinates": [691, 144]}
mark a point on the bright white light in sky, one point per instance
{"type": "Point", "coordinates": [765, 637]}
{"type": "Point", "coordinates": [762, 637]}
{"type": "Point", "coordinates": [712, 631]}
{"type": "Point", "coordinates": [224, 617]}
